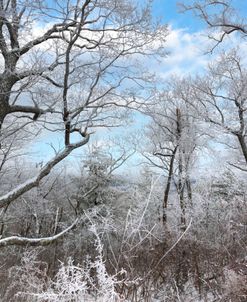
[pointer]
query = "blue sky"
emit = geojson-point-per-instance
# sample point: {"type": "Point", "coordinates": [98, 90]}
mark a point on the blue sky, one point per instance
{"type": "Point", "coordinates": [185, 57]}
{"type": "Point", "coordinates": [187, 43]}
{"type": "Point", "coordinates": [168, 12]}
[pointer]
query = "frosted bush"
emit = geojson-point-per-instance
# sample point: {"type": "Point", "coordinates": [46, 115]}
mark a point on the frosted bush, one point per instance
{"type": "Point", "coordinates": [72, 283]}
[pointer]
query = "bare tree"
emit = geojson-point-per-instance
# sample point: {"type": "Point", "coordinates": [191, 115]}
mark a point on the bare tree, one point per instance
{"type": "Point", "coordinates": [220, 16]}
{"type": "Point", "coordinates": [223, 93]}
{"type": "Point", "coordinates": [78, 73]}
{"type": "Point", "coordinates": [173, 138]}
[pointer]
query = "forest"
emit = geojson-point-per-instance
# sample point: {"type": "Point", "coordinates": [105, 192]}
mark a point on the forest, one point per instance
{"type": "Point", "coordinates": [123, 151]}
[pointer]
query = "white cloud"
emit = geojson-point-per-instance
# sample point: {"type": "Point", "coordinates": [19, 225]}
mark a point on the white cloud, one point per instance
{"type": "Point", "coordinates": [186, 53]}
{"type": "Point", "coordinates": [189, 52]}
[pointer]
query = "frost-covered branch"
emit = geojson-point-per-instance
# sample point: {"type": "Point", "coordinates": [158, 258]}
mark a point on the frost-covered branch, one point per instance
{"type": "Point", "coordinates": [221, 18]}
{"type": "Point", "coordinates": [34, 182]}
{"type": "Point", "coordinates": [16, 240]}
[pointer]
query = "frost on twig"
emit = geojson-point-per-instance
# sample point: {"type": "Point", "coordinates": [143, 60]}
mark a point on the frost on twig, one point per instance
{"type": "Point", "coordinates": [73, 282]}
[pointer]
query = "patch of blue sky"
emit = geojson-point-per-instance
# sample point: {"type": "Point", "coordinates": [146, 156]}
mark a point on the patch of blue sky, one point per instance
{"type": "Point", "coordinates": [168, 12]}
{"type": "Point", "coordinates": [174, 63]}
{"type": "Point", "coordinates": [186, 44]}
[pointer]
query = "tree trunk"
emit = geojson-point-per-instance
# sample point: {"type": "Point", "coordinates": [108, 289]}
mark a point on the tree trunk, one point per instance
{"type": "Point", "coordinates": [168, 185]}
{"type": "Point", "coordinates": [243, 145]}
{"type": "Point", "coordinates": [189, 190]}
{"type": "Point", "coordinates": [4, 110]}
{"type": "Point", "coordinates": [180, 171]}
{"type": "Point", "coordinates": [6, 84]}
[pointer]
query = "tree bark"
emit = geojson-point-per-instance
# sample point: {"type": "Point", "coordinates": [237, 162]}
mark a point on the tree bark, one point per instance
{"type": "Point", "coordinates": [189, 190]}
{"type": "Point", "coordinates": [243, 145]}
{"type": "Point", "coordinates": [180, 171]}
{"type": "Point", "coordinates": [168, 186]}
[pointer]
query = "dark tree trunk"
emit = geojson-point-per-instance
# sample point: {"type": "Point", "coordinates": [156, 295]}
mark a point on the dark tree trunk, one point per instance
{"type": "Point", "coordinates": [6, 84]}
{"type": "Point", "coordinates": [189, 190]}
{"type": "Point", "coordinates": [243, 145]}
{"type": "Point", "coordinates": [4, 110]}
{"type": "Point", "coordinates": [168, 186]}
{"type": "Point", "coordinates": [180, 186]}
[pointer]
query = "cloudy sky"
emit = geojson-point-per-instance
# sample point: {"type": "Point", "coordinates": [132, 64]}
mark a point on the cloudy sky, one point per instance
{"type": "Point", "coordinates": [188, 40]}
{"type": "Point", "coordinates": [187, 44]}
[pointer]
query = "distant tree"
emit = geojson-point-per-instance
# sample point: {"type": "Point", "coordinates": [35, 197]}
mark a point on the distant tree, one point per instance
{"type": "Point", "coordinates": [172, 141]}
{"type": "Point", "coordinates": [96, 185]}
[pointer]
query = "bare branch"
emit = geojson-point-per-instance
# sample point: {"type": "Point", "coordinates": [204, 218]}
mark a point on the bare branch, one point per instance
{"type": "Point", "coordinates": [16, 240]}
{"type": "Point", "coordinates": [34, 182]}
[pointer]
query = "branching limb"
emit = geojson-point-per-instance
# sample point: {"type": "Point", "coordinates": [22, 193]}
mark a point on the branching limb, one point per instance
{"type": "Point", "coordinates": [34, 182]}
{"type": "Point", "coordinates": [29, 109]}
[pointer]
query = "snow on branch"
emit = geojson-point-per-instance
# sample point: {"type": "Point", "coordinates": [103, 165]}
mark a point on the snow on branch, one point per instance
{"type": "Point", "coordinates": [34, 182]}
{"type": "Point", "coordinates": [16, 240]}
